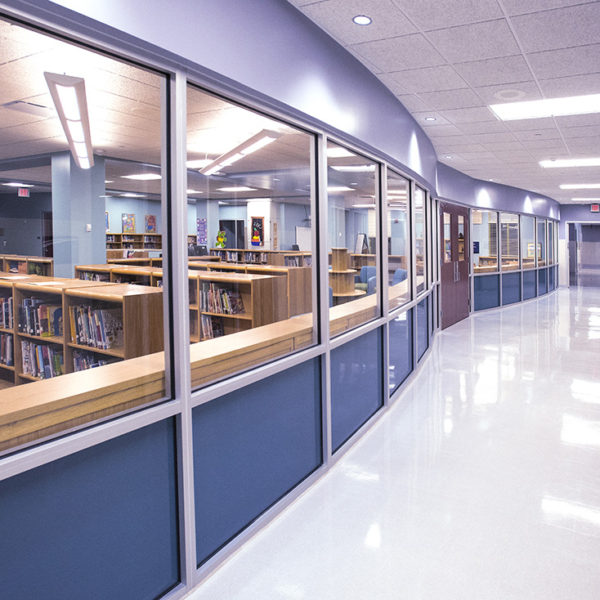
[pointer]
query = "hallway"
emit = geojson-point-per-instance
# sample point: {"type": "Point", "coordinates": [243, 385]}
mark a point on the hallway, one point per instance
{"type": "Point", "coordinates": [481, 483]}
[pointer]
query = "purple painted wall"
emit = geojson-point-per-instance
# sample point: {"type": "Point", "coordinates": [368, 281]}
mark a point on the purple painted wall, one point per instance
{"type": "Point", "coordinates": [575, 213]}
{"type": "Point", "coordinates": [274, 55]}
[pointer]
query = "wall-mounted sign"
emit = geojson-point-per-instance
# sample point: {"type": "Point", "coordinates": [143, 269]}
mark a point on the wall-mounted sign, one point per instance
{"type": "Point", "coordinates": [23, 193]}
{"type": "Point", "coordinates": [475, 247]}
{"type": "Point", "coordinates": [257, 225]}
{"type": "Point", "coordinates": [201, 231]}
{"type": "Point", "coordinates": [595, 207]}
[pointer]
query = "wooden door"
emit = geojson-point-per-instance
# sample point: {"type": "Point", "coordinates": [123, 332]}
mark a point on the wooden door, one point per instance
{"type": "Point", "coordinates": [454, 246]}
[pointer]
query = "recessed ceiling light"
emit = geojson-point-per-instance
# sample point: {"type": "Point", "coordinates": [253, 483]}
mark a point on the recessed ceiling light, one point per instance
{"type": "Point", "coordinates": [143, 176]}
{"type": "Point", "coordinates": [430, 118]}
{"type": "Point", "coordinates": [362, 20]}
{"type": "Point", "coordinates": [16, 184]}
{"type": "Point", "coordinates": [447, 156]}
{"type": "Point", "coordinates": [339, 188]}
{"type": "Point", "coordinates": [570, 162]}
{"type": "Point", "coordinates": [552, 107]}
{"type": "Point", "coordinates": [354, 168]}
{"type": "Point", "coordinates": [237, 188]}
{"type": "Point", "coordinates": [580, 186]}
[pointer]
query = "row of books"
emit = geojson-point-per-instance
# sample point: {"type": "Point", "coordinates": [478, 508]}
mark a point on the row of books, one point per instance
{"type": "Point", "coordinates": [255, 257]}
{"type": "Point", "coordinates": [88, 276]}
{"type": "Point", "coordinates": [97, 327]}
{"type": "Point", "coordinates": [41, 360]}
{"type": "Point", "coordinates": [83, 360]}
{"type": "Point", "coordinates": [6, 312]}
{"type": "Point", "coordinates": [222, 300]}
{"type": "Point", "coordinates": [36, 317]}
{"type": "Point", "coordinates": [211, 327]}
{"type": "Point", "coordinates": [7, 355]}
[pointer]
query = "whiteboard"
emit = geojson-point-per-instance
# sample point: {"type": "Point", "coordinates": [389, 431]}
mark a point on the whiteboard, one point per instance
{"type": "Point", "coordinates": [304, 238]}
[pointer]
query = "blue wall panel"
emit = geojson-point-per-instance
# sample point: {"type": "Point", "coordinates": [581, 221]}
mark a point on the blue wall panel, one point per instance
{"type": "Point", "coordinates": [551, 278]}
{"type": "Point", "coordinates": [422, 312]}
{"type": "Point", "coordinates": [101, 523]}
{"type": "Point", "coordinates": [542, 281]}
{"type": "Point", "coordinates": [511, 288]}
{"type": "Point", "coordinates": [250, 448]}
{"type": "Point", "coordinates": [400, 349]}
{"type": "Point", "coordinates": [529, 284]}
{"type": "Point", "coordinates": [487, 291]}
{"type": "Point", "coordinates": [356, 385]}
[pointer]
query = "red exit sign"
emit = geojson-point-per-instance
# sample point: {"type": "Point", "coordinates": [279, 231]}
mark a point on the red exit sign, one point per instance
{"type": "Point", "coordinates": [595, 207]}
{"type": "Point", "coordinates": [23, 193]}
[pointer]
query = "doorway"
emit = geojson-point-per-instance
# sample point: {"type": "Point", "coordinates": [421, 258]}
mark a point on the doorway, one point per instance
{"type": "Point", "coordinates": [584, 254]}
{"type": "Point", "coordinates": [235, 233]}
{"type": "Point", "coordinates": [454, 279]}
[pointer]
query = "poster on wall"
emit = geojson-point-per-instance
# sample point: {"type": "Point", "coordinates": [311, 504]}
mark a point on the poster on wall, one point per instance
{"type": "Point", "coordinates": [150, 222]}
{"type": "Point", "coordinates": [201, 232]}
{"type": "Point", "coordinates": [274, 237]}
{"type": "Point", "coordinates": [106, 222]}
{"type": "Point", "coordinates": [127, 223]}
{"type": "Point", "coordinates": [257, 228]}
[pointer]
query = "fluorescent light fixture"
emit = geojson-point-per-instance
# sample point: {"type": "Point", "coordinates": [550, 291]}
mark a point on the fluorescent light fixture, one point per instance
{"type": "Point", "coordinates": [16, 184]}
{"type": "Point", "coordinates": [108, 181]}
{"type": "Point", "coordinates": [362, 20]}
{"type": "Point", "coordinates": [193, 192]}
{"type": "Point", "coordinates": [339, 188]}
{"type": "Point", "coordinates": [551, 107]}
{"type": "Point", "coordinates": [68, 95]}
{"type": "Point", "coordinates": [363, 206]}
{"type": "Point", "coordinates": [131, 195]}
{"type": "Point", "coordinates": [570, 162]}
{"type": "Point", "coordinates": [585, 199]}
{"type": "Point", "coordinates": [580, 186]}
{"type": "Point", "coordinates": [354, 168]}
{"type": "Point", "coordinates": [237, 188]}
{"type": "Point", "coordinates": [256, 142]}
{"type": "Point", "coordinates": [143, 176]}
{"type": "Point", "coordinates": [198, 164]}
{"type": "Point", "coordinates": [338, 152]}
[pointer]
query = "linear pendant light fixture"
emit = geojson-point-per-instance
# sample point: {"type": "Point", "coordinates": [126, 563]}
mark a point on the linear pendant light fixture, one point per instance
{"type": "Point", "coordinates": [256, 142]}
{"type": "Point", "coordinates": [68, 95]}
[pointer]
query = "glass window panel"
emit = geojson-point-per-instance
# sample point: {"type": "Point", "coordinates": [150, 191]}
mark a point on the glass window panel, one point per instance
{"type": "Point", "coordinates": [485, 241]}
{"type": "Point", "coordinates": [352, 238]}
{"type": "Point", "coordinates": [85, 209]}
{"type": "Point", "coordinates": [528, 242]}
{"type": "Point", "coordinates": [509, 241]}
{"type": "Point", "coordinates": [447, 238]}
{"type": "Point", "coordinates": [551, 243]}
{"type": "Point", "coordinates": [250, 202]}
{"type": "Point", "coordinates": [419, 232]}
{"type": "Point", "coordinates": [398, 232]}
{"type": "Point", "coordinates": [461, 238]}
{"type": "Point", "coordinates": [541, 242]}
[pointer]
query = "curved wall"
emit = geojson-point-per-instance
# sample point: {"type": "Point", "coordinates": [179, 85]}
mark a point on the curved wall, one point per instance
{"type": "Point", "coordinates": [287, 62]}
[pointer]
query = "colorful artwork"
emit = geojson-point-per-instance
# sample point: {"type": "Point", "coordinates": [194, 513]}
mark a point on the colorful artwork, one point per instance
{"type": "Point", "coordinates": [201, 232]}
{"type": "Point", "coordinates": [128, 223]}
{"type": "Point", "coordinates": [257, 228]}
{"type": "Point", "coordinates": [150, 221]}
{"type": "Point", "coordinates": [221, 239]}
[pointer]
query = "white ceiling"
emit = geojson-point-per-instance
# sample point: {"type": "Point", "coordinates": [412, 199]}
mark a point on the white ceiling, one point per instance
{"type": "Point", "coordinates": [450, 59]}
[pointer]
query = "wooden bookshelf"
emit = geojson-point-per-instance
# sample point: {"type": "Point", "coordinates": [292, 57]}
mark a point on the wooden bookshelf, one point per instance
{"type": "Point", "coordinates": [133, 241]}
{"type": "Point", "coordinates": [341, 277]}
{"type": "Point", "coordinates": [275, 258]}
{"type": "Point", "coordinates": [30, 265]}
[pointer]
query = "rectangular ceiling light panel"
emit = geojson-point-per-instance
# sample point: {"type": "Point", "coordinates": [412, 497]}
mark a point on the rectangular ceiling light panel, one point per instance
{"type": "Point", "coordinates": [551, 107]}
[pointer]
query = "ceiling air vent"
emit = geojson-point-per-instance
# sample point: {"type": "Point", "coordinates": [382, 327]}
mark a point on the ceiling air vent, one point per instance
{"type": "Point", "coordinates": [29, 107]}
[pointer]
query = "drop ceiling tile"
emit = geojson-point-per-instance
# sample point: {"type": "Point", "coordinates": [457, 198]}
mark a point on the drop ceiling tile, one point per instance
{"type": "Point", "coordinates": [366, 62]}
{"type": "Point", "coordinates": [392, 84]}
{"type": "Point", "coordinates": [427, 125]}
{"type": "Point", "coordinates": [531, 124]}
{"type": "Point", "coordinates": [514, 156]}
{"type": "Point", "coordinates": [589, 146]}
{"type": "Point", "coordinates": [542, 134]}
{"type": "Point", "coordinates": [449, 99]}
{"type": "Point", "coordinates": [414, 103]}
{"type": "Point", "coordinates": [552, 64]}
{"type": "Point", "coordinates": [483, 127]}
{"type": "Point", "coordinates": [468, 115]}
{"type": "Point", "coordinates": [578, 120]}
{"type": "Point", "coordinates": [582, 132]}
{"type": "Point", "coordinates": [494, 137]}
{"type": "Point", "coordinates": [539, 143]}
{"type": "Point", "coordinates": [571, 86]}
{"type": "Point", "coordinates": [560, 28]}
{"type": "Point", "coordinates": [519, 7]}
{"type": "Point", "coordinates": [399, 53]}
{"type": "Point", "coordinates": [516, 92]}
{"type": "Point", "coordinates": [335, 17]}
{"type": "Point", "coordinates": [449, 148]}
{"type": "Point", "coordinates": [431, 79]}
{"type": "Point", "coordinates": [490, 39]}
{"type": "Point", "coordinates": [436, 14]}
{"type": "Point", "coordinates": [443, 131]}
{"type": "Point", "coordinates": [504, 146]}
{"type": "Point", "coordinates": [494, 71]}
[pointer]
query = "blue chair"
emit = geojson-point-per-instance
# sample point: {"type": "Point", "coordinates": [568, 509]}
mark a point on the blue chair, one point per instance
{"type": "Point", "coordinates": [399, 276]}
{"type": "Point", "coordinates": [366, 274]}
{"type": "Point", "coordinates": [371, 285]}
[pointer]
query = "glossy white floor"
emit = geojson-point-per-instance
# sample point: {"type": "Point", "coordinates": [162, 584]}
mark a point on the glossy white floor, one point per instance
{"type": "Point", "coordinates": [483, 481]}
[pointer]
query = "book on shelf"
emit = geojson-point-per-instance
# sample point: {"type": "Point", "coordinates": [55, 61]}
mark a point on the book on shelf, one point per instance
{"type": "Point", "coordinates": [6, 312]}
{"type": "Point", "coordinates": [83, 360]}
{"type": "Point", "coordinates": [17, 266]}
{"type": "Point", "coordinates": [211, 327]}
{"type": "Point", "coordinates": [41, 360]}
{"type": "Point", "coordinates": [37, 317]}
{"type": "Point", "coordinates": [91, 276]}
{"type": "Point", "coordinates": [97, 327]}
{"type": "Point", "coordinates": [221, 300]}
{"type": "Point", "coordinates": [7, 356]}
